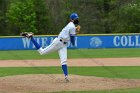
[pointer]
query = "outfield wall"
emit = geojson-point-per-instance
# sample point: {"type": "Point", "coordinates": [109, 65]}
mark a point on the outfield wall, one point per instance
{"type": "Point", "coordinates": [83, 41]}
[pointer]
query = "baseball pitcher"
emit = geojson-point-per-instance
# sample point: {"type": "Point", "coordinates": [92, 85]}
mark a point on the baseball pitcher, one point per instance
{"type": "Point", "coordinates": [60, 43]}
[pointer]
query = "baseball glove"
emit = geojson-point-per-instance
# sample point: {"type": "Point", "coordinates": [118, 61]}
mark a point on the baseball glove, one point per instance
{"type": "Point", "coordinates": [27, 34]}
{"type": "Point", "coordinates": [78, 28]}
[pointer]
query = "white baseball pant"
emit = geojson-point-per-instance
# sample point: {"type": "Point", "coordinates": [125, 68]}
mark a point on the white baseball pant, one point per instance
{"type": "Point", "coordinates": [56, 45]}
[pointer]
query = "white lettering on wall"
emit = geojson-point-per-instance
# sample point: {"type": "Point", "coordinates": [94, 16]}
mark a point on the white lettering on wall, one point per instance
{"type": "Point", "coordinates": [137, 41]}
{"type": "Point", "coordinates": [124, 41]}
{"type": "Point", "coordinates": [51, 39]}
{"type": "Point", "coordinates": [26, 42]}
{"type": "Point", "coordinates": [41, 41]}
{"type": "Point", "coordinates": [37, 40]}
{"type": "Point", "coordinates": [130, 42]}
{"type": "Point", "coordinates": [116, 41]}
{"type": "Point", "coordinates": [44, 42]}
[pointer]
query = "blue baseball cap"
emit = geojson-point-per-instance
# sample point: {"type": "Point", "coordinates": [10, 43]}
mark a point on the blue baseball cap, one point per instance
{"type": "Point", "coordinates": [74, 16]}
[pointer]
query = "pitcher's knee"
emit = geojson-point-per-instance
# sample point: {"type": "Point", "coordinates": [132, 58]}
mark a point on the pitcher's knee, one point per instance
{"type": "Point", "coordinates": [64, 63]}
{"type": "Point", "coordinates": [41, 51]}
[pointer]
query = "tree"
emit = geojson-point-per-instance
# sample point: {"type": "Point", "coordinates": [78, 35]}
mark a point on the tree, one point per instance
{"type": "Point", "coordinates": [43, 18]}
{"type": "Point", "coordinates": [3, 24]}
{"type": "Point", "coordinates": [50, 16]}
{"type": "Point", "coordinates": [22, 15]}
{"type": "Point", "coordinates": [130, 16]}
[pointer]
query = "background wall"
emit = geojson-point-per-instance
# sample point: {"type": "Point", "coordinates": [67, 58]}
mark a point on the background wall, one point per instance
{"type": "Point", "coordinates": [85, 42]}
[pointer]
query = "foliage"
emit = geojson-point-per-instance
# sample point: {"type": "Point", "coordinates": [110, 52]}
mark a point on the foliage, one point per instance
{"type": "Point", "coordinates": [50, 16]}
{"type": "Point", "coordinates": [42, 17]}
{"type": "Point", "coordinates": [3, 6]}
{"type": "Point", "coordinates": [130, 16]}
{"type": "Point", "coordinates": [22, 15]}
{"type": "Point", "coordinates": [58, 12]}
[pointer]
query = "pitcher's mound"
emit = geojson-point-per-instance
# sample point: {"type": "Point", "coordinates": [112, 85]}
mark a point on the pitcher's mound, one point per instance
{"type": "Point", "coordinates": [55, 82]}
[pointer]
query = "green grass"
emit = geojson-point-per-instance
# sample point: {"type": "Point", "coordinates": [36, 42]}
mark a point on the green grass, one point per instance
{"type": "Point", "coordinates": [135, 90]}
{"type": "Point", "coordinates": [72, 53]}
{"type": "Point", "coordinates": [110, 72]}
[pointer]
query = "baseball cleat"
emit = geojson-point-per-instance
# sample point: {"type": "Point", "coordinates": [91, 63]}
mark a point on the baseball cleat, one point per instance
{"type": "Point", "coordinates": [27, 34]}
{"type": "Point", "coordinates": [67, 79]}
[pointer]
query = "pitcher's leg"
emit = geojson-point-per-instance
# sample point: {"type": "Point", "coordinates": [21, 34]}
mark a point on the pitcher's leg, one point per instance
{"type": "Point", "coordinates": [63, 58]}
{"type": "Point", "coordinates": [35, 43]}
{"type": "Point", "coordinates": [63, 55]}
{"type": "Point", "coordinates": [55, 45]}
{"type": "Point", "coordinates": [47, 49]}
{"type": "Point", "coordinates": [52, 47]}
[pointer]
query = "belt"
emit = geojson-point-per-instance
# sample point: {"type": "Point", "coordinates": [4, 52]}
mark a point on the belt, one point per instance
{"type": "Point", "coordinates": [62, 41]}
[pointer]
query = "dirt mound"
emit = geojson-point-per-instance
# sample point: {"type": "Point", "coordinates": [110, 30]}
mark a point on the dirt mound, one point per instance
{"type": "Point", "coordinates": [53, 83]}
